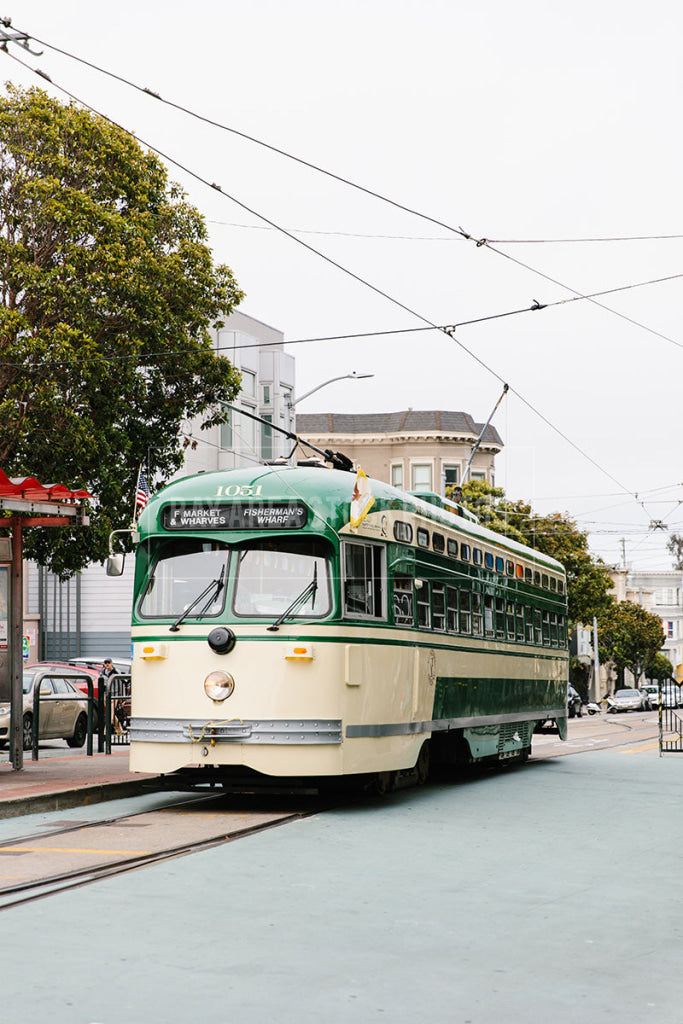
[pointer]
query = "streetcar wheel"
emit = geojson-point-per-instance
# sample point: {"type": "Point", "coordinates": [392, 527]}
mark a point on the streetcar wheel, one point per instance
{"type": "Point", "coordinates": [422, 764]}
{"type": "Point", "coordinates": [384, 783]}
{"type": "Point", "coordinates": [80, 732]}
{"type": "Point", "coordinates": [28, 732]}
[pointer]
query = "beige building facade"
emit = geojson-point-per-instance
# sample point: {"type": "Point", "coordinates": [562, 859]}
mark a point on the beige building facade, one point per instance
{"type": "Point", "coordinates": [412, 449]}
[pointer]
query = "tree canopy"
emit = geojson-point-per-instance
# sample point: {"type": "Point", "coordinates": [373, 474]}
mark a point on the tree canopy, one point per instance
{"type": "Point", "coordinates": [630, 637]}
{"type": "Point", "coordinates": [108, 291]}
{"type": "Point", "coordinates": [557, 535]}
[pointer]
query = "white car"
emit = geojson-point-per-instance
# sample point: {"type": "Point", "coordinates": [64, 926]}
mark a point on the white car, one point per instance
{"type": "Point", "coordinates": [625, 700]}
{"type": "Point", "coordinates": [650, 694]}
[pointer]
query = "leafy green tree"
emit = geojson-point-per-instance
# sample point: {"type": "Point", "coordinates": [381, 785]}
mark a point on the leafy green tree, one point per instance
{"type": "Point", "coordinates": [674, 546]}
{"type": "Point", "coordinates": [629, 637]}
{"type": "Point", "coordinates": [557, 535]}
{"type": "Point", "coordinates": [107, 294]}
{"type": "Point", "coordinates": [659, 667]}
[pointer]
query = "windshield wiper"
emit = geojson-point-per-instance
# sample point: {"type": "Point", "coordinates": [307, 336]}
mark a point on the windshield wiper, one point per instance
{"type": "Point", "coordinates": [308, 591]}
{"type": "Point", "coordinates": [214, 588]}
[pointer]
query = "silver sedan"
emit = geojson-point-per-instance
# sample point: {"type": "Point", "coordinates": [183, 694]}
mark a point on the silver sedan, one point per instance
{"type": "Point", "coordinates": [63, 710]}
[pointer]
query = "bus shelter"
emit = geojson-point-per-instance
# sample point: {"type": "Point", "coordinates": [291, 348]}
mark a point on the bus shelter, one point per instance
{"type": "Point", "coordinates": [29, 504]}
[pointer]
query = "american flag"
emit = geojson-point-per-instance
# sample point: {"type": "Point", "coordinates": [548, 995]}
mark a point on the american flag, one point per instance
{"type": "Point", "coordinates": [141, 493]}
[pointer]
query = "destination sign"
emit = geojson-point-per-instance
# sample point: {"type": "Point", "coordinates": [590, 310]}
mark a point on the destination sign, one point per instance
{"type": "Point", "coordinates": [237, 515]}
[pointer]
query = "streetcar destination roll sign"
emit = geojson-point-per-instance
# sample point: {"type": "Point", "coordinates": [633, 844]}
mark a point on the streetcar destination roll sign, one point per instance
{"type": "Point", "coordinates": [235, 515]}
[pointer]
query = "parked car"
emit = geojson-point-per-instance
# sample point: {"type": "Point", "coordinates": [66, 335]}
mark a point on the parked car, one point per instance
{"type": "Point", "coordinates": [573, 702]}
{"type": "Point", "coordinates": [96, 664]}
{"type": "Point", "coordinates": [650, 695]}
{"type": "Point", "coordinates": [75, 673]}
{"type": "Point", "coordinates": [625, 700]}
{"type": "Point", "coordinates": [63, 709]}
{"type": "Point", "coordinates": [672, 696]}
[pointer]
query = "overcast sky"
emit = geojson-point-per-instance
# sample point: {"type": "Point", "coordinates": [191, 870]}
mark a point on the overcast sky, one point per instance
{"type": "Point", "coordinates": [513, 122]}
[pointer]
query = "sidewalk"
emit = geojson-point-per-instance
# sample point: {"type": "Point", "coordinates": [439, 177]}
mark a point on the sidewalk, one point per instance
{"type": "Point", "coordinates": [55, 783]}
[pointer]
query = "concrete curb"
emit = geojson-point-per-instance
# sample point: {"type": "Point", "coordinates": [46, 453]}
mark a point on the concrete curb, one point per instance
{"type": "Point", "coordinates": [39, 803]}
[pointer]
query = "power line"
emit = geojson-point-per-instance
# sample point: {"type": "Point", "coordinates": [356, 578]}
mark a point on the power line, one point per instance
{"type": "Point", "coordinates": [445, 238]}
{"type": "Point", "coordinates": [449, 331]}
{"type": "Point", "coordinates": [481, 242]}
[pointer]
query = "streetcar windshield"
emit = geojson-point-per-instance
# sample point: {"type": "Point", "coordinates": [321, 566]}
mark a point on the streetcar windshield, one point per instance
{"type": "Point", "coordinates": [271, 574]}
{"type": "Point", "coordinates": [181, 573]}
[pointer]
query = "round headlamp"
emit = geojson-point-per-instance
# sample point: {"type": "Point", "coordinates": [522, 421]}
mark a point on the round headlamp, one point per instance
{"type": "Point", "coordinates": [219, 685]}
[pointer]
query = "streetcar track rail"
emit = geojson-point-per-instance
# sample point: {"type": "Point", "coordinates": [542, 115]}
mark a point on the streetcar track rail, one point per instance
{"type": "Point", "coordinates": [31, 891]}
{"type": "Point", "coordinates": [120, 819]}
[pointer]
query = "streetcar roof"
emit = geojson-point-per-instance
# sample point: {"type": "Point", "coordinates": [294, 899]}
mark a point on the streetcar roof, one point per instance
{"type": "Point", "coordinates": [327, 492]}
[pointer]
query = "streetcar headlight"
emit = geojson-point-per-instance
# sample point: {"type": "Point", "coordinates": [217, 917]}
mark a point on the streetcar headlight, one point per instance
{"type": "Point", "coordinates": [219, 685]}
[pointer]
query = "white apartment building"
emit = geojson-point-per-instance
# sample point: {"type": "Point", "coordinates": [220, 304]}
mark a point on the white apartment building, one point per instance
{"type": "Point", "coordinates": [89, 615]}
{"type": "Point", "coordinates": [661, 593]}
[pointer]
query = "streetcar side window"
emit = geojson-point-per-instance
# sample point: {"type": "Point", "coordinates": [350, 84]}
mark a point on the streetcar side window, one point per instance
{"type": "Point", "coordinates": [439, 606]}
{"type": "Point", "coordinates": [423, 608]}
{"type": "Point", "coordinates": [546, 629]}
{"type": "Point", "coordinates": [500, 618]}
{"type": "Point", "coordinates": [403, 601]}
{"type": "Point", "coordinates": [465, 611]}
{"type": "Point", "coordinates": [452, 609]}
{"type": "Point", "coordinates": [520, 621]}
{"type": "Point", "coordinates": [538, 632]}
{"type": "Point", "coordinates": [477, 617]}
{"type": "Point", "coordinates": [510, 619]}
{"type": "Point", "coordinates": [529, 624]}
{"type": "Point", "coordinates": [364, 578]}
{"type": "Point", "coordinates": [488, 615]}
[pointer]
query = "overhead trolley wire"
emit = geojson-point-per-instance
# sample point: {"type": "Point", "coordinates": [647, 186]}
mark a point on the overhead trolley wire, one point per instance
{"type": "Point", "coordinates": [459, 231]}
{"type": "Point", "coordinates": [450, 331]}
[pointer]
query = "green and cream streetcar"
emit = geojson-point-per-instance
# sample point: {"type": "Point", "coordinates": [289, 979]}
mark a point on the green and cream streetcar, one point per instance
{"type": "Point", "coordinates": [306, 622]}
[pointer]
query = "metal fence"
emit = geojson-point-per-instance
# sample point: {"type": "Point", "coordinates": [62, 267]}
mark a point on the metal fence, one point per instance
{"type": "Point", "coordinates": [670, 719]}
{"type": "Point", "coordinates": [117, 711]}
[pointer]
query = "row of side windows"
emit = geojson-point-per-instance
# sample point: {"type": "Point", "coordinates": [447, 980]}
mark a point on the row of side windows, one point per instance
{"type": "Point", "coordinates": [444, 609]}
{"type": "Point", "coordinates": [465, 552]}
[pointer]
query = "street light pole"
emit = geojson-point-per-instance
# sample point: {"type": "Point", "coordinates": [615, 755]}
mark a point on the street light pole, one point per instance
{"type": "Point", "coordinates": [344, 376]}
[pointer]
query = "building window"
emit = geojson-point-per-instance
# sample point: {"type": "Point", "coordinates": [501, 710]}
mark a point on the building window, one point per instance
{"type": "Point", "coordinates": [397, 476]}
{"type": "Point", "coordinates": [249, 383]}
{"type": "Point", "coordinates": [267, 439]}
{"type": "Point", "coordinates": [451, 476]}
{"type": "Point", "coordinates": [226, 434]}
{"type": "Point", "coordinates": [421, 477]}
{"type": "Point", "coordinates": [266, 394]}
